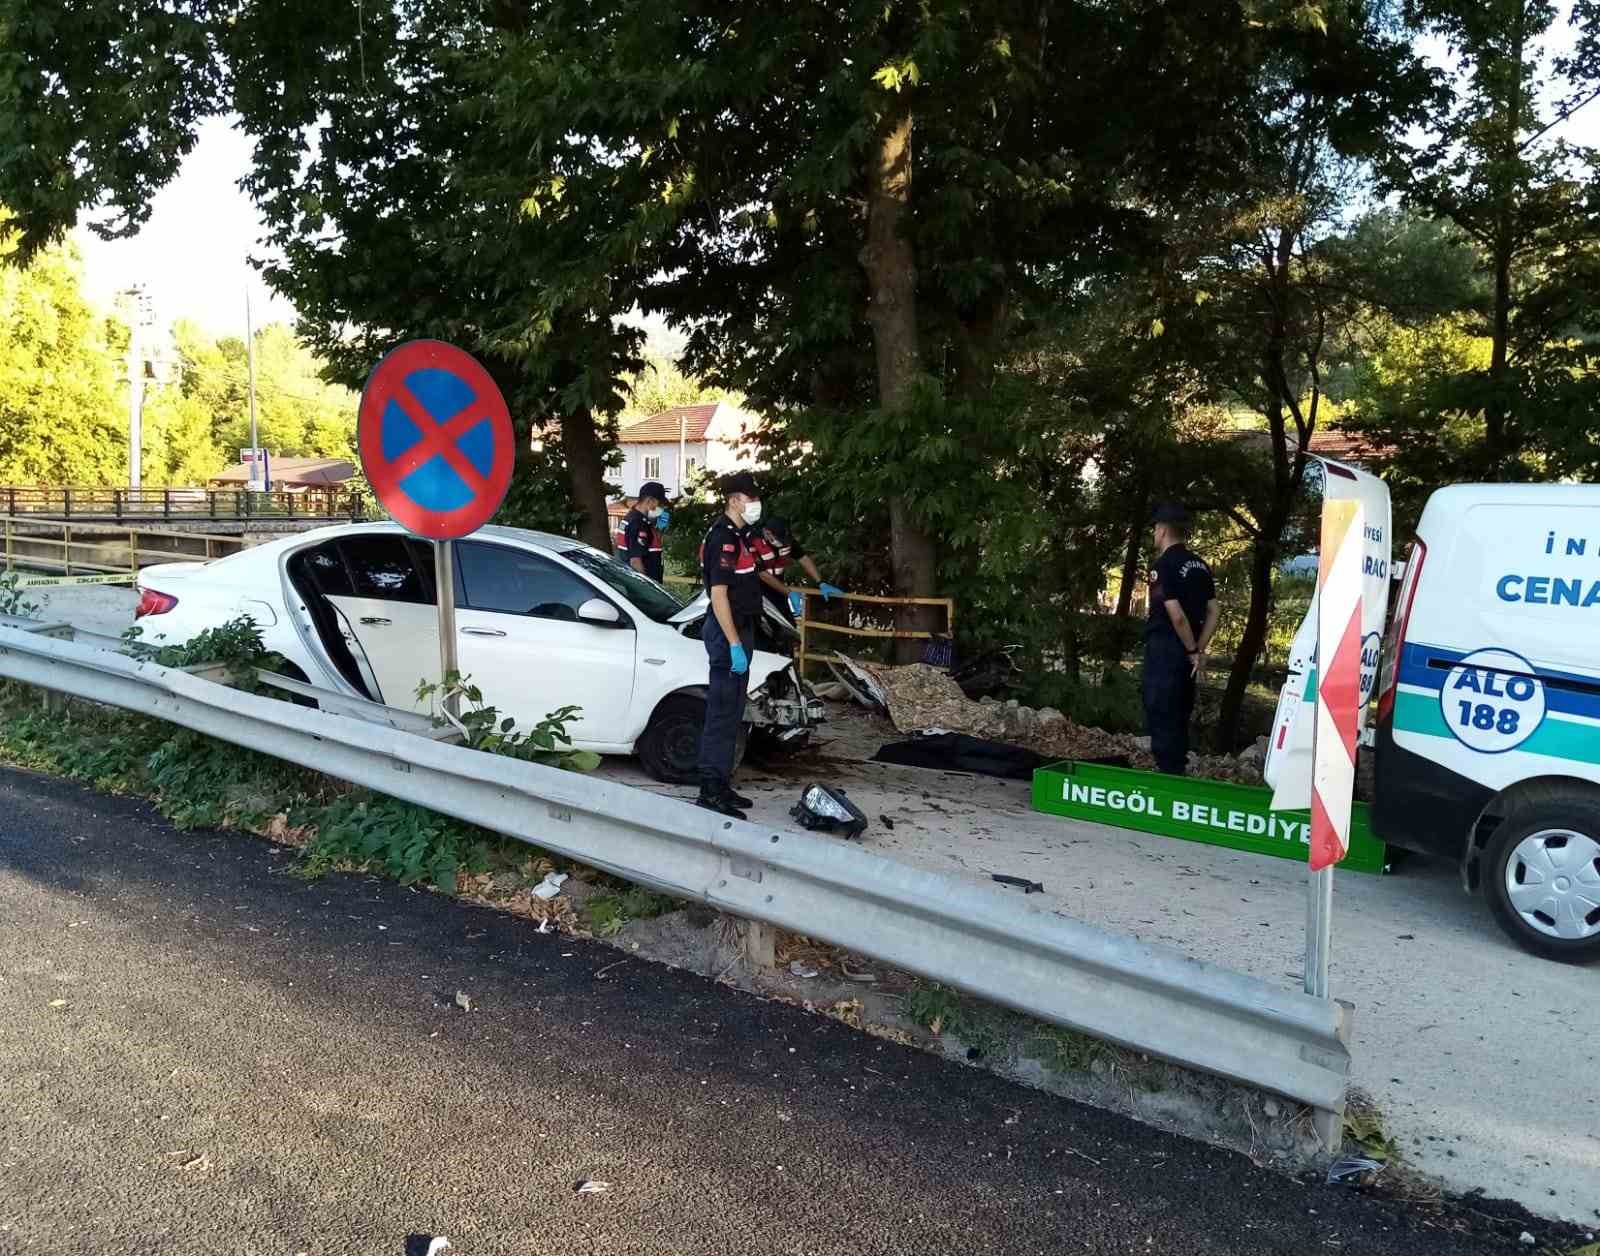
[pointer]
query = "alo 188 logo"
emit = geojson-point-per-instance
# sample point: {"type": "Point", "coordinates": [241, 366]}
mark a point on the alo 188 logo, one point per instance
{"type": "Point", "coordinates": [1491, 701]}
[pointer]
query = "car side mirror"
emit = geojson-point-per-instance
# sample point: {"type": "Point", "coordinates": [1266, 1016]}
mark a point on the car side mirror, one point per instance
{"type": "Point", "coordinates": [599, 611]}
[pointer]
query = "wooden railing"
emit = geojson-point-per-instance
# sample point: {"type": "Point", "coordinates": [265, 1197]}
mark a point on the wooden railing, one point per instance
{"type": "Point", "coordinates": [808, 626]}
{"type": "Point", "coordinates": [149, 504]}
{"type": "Point", "coordinates": [33, 543]}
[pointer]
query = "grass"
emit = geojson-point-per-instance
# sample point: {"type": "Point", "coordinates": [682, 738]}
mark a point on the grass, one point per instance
{"type": "Point", "coordinates": [609, 913]}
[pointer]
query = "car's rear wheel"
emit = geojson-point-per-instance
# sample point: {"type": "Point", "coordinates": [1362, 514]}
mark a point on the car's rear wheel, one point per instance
{"type": "Point", "coordinates": [670, 747]}
{"type": "Point", "coordinates": [1541, 874]}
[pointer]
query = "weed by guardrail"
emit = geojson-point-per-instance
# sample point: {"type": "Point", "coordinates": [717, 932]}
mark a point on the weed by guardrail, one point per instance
{"type": "Point", "coordinates": [13, 601]}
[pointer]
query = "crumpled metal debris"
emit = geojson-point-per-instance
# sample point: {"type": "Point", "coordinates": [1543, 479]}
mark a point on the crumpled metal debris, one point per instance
{"type": "Point", "coordinates": [550, 886]}
{"type": "Point", "coordinates": [590, 1187]}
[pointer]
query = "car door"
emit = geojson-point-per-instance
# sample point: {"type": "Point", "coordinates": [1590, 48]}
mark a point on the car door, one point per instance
{"type": "Point", "coordinates": [391, 611]}
{"type": "Point", "coordinates": [524, 646]}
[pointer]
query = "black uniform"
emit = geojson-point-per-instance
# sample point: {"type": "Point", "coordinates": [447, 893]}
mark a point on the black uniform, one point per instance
{"type": "Point", "coordinates": [774, 547]}
{"type": "Point", "coordinates": [725, 559]}
{"type": "Point", "coordinates": [1168, 670]}
{"type": "Point", "coordinates": [638, 537]}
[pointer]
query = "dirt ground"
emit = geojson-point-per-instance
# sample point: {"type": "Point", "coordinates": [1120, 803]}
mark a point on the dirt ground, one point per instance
{"type": "Point", "coordinates": [1448, 1011]}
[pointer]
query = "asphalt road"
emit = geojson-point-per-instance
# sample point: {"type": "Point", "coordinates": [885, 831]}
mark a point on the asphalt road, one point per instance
{"type": "Point", "coordinates": [200, 1052]}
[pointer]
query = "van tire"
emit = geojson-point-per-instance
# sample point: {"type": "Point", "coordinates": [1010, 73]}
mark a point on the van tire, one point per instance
{"type": "Point", "coordinates": [1559, 817]}
{"type": "Point", "coordinates": [669, 749]}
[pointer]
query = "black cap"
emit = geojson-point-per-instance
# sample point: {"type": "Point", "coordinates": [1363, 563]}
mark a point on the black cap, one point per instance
{"type": "Point", "coordinates": [740, 482]}
{"type": "Point", "coordinates": [653, 489]}
{"type": "Point", "coordinates": [1170, 512]}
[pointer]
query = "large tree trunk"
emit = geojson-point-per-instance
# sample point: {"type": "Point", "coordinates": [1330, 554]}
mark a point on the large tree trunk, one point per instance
{"type": "Point", "coordinates": [890, 265]}
{"type": "Point", "coordinates": [586, 473]}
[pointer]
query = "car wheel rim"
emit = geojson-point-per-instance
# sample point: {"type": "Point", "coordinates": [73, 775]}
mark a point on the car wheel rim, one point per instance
{"type": "Point", "coordinates": [1553, 883]}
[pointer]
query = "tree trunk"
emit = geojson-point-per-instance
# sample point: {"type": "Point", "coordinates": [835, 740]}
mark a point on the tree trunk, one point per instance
{"type": "Point", "coordinates": [890, 265]}
{"type": "Point", "coordinates": [586, 473]}
{"type": "Point", "coordinates": [1497, 437]}
{"type": "Point", "coordinates": [1262, 560]}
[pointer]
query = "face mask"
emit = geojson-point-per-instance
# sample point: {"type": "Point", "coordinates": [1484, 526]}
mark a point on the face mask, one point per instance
{"type": "Point", "coordinates": [752, 512]}
{"type": "Point", "coordinates": [656, 513]}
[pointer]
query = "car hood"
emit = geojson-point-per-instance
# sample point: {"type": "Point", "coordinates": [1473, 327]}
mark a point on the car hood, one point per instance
{"type": "Point", "coordinates": [701, 607]}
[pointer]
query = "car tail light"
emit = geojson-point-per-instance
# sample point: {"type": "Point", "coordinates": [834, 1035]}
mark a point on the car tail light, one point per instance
{"type": "Point", "coordinates": [1395, 643]}
{"type": "Point", "coordinates": [153, 602]}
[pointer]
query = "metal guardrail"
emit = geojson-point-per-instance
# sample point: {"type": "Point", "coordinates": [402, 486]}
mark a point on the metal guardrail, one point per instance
{"type": "Point", "coordinates": [149, 504]}
{"type": "Point", "coordinates": [971, 937]}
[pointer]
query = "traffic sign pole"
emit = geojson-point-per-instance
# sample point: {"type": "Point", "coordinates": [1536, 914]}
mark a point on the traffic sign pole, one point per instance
{"type": "Point", "coordinates": [444, 569]}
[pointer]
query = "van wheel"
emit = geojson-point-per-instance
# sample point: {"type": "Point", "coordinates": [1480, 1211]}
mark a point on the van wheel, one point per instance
{"type": "Point", "coordinates": [669, 750]}
{"type": "Point", "coordinates": [1541, 874]}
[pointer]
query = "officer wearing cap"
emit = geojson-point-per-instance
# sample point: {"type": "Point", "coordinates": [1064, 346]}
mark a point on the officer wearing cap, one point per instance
{"type": "Point", "coordinates": [728, 569]}
{"type": "Point", "coordinates": [1182, 596]}
{"type": "Point", "coordinates": [639, 534]}
{"type": "Point", "coordinates": [776, 549]}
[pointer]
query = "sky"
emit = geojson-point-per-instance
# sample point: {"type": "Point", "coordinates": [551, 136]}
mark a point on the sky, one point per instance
{"type": "Point", "coordinates": [192, 253]}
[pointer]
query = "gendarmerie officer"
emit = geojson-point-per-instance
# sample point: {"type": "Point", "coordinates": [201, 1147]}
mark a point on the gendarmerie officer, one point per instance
{"type": "Point", "coordinates": [728, 569]}
{"type": "Point", "coordinates": [776, 549]}
{"type": "Point", "coordinates": [639, 534]}
{"type": "Point", "coordinates": [1183, 617]}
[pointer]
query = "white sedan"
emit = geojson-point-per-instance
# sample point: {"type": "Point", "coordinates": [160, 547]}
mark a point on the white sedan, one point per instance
{"type": "Point", "coordinates": [543, 622]}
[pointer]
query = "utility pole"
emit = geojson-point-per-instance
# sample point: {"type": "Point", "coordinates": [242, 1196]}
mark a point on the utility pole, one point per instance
{"type": "Point", "coordinates": [250, 354]}
{"type": "Point", "coordinates": [139, 317]}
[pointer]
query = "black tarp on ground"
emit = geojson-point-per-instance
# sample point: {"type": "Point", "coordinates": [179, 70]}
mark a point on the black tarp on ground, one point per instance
{"type": "Point", "coordinates": [957, 752]}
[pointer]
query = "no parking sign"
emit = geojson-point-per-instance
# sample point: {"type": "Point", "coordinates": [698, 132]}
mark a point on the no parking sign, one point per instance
{"type": "Point", "coordinates": [435, 439]}
{"type": "Point", "coordinates": [437, 447]}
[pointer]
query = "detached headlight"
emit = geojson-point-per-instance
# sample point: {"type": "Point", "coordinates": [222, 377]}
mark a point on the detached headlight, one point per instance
{"type": "Point", "coordinates": [829, 810]}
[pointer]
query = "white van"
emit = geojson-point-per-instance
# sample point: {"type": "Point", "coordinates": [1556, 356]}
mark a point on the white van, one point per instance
{"type": "Point", "coordinates": [1488, 725]}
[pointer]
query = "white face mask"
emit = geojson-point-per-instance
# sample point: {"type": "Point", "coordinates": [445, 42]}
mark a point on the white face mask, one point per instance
{"type": "Point", "coordinates": [656, 513]}
{"type": "Point", "coordinates": [752, 512]}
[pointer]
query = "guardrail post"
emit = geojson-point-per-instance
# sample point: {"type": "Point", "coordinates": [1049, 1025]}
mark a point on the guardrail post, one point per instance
{"type": "Point", "coordinates": [66, 502]}
{"type": "Point", "coordinates": [211, 501]}
{"type": "Point", "coordinates": [759, 943]}
{"type": "Point", "coordinates": [288, 499]}
{"type": "Point", "coordinates": [8, 542]}
{"type": "Point", "coordinates": [133, 553]}
{"type": "Point", "coordinates": [116, 503]}
{"type": "Point", "coordinates": [66, 548]}
{"type": "Point", "coordinates": [166, 503]}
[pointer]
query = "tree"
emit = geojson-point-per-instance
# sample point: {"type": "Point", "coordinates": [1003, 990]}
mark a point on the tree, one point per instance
{"type": "Point", "coordinates": [63, 416]}
{"type": "Point", "coordinates": [1491, 165]}
{"type": "Point", "coordinates": [1258, 285]}
{"type": "Point", "coordinates": [851, 206]}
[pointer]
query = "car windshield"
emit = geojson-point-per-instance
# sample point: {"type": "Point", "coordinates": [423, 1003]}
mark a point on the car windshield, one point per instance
{"type": "Point", "coordinates": [650, 597]}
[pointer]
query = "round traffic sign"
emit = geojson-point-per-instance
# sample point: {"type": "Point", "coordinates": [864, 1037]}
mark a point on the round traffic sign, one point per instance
{"type": "Point", "coordinates": [435, 439]}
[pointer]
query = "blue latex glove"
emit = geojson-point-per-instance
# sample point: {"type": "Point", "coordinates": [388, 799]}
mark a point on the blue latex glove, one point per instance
{"type": "Point", "coordinates": [796, 603]}
{"type": "Point", "coordinates": [741, 662]}
{"type": "Point", "coordinates": [829, 590]}
{"type": "Point", "coordinates": [662, 520]}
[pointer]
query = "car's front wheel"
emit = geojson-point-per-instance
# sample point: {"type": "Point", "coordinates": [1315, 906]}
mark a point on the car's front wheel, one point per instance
{"type": "Point", "coordinates": [1542, 876]}
{"type": "Point", "coordinates": [670, 746]}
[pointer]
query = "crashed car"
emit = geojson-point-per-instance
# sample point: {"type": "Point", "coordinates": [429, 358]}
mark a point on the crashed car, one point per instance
{"type": "Point", "coordinates": [543, 622]}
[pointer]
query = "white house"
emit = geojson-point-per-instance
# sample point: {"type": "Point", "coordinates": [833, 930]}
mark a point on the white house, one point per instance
{"type": "Point", "coordinates": [670, 445]}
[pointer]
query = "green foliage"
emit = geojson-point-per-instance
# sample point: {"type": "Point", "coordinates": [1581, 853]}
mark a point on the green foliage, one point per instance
{"type": "Point", "coordinates": [1114, 703]}
{"type": "Point", "coordinates": [13, 601]}
{"type": "Point", "coordinates": [608, 914]}
{"type": "Point", "coordinates": [63, 419]}
{"type": "Point", "coordinates": [484, 729]}
{"type": "Point", "coordinates": [404, 841]}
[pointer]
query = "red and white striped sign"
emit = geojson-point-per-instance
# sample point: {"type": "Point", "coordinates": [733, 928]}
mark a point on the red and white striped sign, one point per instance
{"type": "Point", "coordinates": [1339, 697]}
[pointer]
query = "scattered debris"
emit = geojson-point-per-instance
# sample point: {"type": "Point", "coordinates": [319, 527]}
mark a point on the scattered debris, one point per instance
{"type": "Point", "coordinates": [1527, 1240]}
{"type": "Point", "coordinates": [886, 822]}
{"type": "Point", "coordinates": [58, 1003]}
{"type": "Point", "coordinates": [550, 886]}
{"type": "Point", "coordinates": [800, 969]}
{"type": "Point", "coordinates": [1354, 1171]}
{"type": "Point", "coordinates": [608, 968]}
{"type": "Point", "coordinates": [426, 1244]}
{"type": "Point", "coordinates": [852, 975]}
{"type": "Point", "coordinates": [590, 1187]}
{"type": "Point", "coordinates": [1028, 887]}
{"type": "Point", "coordinates": [463, 1000]}
{"type": "Point", "coordinates": [1272, 1108]}
{"type": "Point", "coordinates": [919, 697]}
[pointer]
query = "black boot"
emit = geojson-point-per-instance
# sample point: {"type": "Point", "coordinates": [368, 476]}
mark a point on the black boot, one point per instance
{"type": "Point", "coordinates": [738, 800]}
{"type": "Point", "coordinates": [716, 796]}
